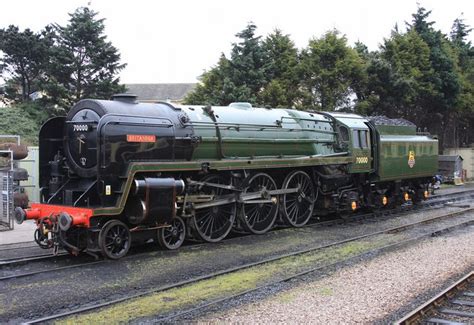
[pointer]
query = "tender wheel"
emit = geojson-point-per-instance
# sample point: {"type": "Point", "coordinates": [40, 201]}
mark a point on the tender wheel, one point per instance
{"type": "Point", "coordinates": [114, 239]}
{"type": "Point", "coordinates": [258, 217]}
{"type": "Point", "coordinates": [172, 237]}
{"type": "Point", "coordinates": [418, 195]}
{"type": "Point", "coordinates": [297, 208]}
{"type": "Point", "coordinates": [214, 223]}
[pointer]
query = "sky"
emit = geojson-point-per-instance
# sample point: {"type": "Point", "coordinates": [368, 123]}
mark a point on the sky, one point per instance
{"type": "Point", "coordinates": [165, 41]}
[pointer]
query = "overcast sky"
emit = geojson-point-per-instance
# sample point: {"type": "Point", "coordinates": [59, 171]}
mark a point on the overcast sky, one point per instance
{"type": "Point", "coordinates": [175, 41]}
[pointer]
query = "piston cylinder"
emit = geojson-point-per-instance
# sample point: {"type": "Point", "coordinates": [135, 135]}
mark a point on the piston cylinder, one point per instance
{"type": "Point", "coordinates": [154, 200]}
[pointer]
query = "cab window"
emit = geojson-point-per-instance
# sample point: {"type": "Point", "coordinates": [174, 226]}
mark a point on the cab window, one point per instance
{"type": "Point", "coordinates": [355, 139]}
{"type": "Point", "coordinates": [344, 133]}
{"type": "Point", "coordinates": [360, 138]}
{"type": "Point", "coordinates": [363, 139]}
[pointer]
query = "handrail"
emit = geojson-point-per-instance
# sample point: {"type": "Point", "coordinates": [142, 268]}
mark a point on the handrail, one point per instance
{"type": "Point", "coordinates": [304, 119]}
{"type": "Point", "coordinates": [232, 124]}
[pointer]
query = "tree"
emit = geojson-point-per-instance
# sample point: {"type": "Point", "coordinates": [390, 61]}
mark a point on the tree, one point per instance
{"type": "Point", "coordinates": [465, 52]}
{"type": "Point", "coordinates": [84, 63]}
{"type": "Point", "coordinates": [465, 101]}
{"type": "Point", "coordinates": [459, 32]}
{"type": "Point", "coordinates": [280, 58]}
{"type": "Point", "coordinates": [366, 100]}
{"type": "Point", "coordinates": [25, 56]}
{"type": "Point", "coordinates": [442, 59]}
{"type": "Point", "coordinates": [445, 78]}
{"type": "Point", "coordinates": [276, 94]}
{"type": "Point", "coordinates": [247, 75]}
{"type": "Point", "coordinates": [210, 90]}
{"type": "Point", "coordinates": [329, 71]}
{"type": "Point", "coordinates": [408, 90]}
{"type": "Point", "coordinates": [239, 78]}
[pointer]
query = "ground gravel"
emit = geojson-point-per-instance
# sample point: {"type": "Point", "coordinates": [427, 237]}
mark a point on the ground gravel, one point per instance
{"type": "Point", "coordinates": [366, 292]}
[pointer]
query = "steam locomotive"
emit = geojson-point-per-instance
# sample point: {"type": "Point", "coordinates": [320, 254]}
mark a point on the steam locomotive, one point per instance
{"type": "Point", "coordinates": [113, 172]}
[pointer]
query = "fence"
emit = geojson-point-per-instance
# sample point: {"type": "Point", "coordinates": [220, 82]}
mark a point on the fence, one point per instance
{"type": "Point", "coordinates": [6, 187]}
{"type": "Point", "coordinates": [10, 186]}
{"type": "Point", "coordinates": [6, 207]}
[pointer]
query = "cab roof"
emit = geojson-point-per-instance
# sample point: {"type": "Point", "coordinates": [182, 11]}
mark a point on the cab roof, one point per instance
{"type": "Point", "coordinates": [351, 120]}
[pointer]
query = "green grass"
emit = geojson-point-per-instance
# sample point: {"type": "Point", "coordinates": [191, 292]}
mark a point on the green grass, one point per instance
{"type": "Point", "coordinates": [326, 291]}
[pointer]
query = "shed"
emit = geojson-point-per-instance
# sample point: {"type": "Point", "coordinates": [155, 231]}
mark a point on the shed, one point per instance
{"type": "Point", "coordinates": [450, 167]}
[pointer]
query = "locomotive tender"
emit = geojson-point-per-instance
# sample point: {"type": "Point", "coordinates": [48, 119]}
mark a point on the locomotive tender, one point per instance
{"type": "Point", "coordinates": [113, 171]}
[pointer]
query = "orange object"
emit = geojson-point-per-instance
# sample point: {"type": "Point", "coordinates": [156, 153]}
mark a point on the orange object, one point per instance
{"type": "Point", "coordinates": [80, 216]}
{"type": "Point", "coordinates": [354, 205]}
{"type": "Point", "coordinates": [141, 138]}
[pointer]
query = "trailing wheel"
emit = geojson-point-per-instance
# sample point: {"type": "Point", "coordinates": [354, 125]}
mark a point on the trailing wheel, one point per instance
{"type": "Point", "coordinates": [420, 194]}
{"type": "Point", "coordinates": [114, 239]}
{"type": "Point", "coordinates": [296, 208]}
{"type": "Point", "coordinates": [172, 237]}
{"type": "Point", "coordinates": [258, 215]}
{"type": "Point", "coordinates": [212, 224]}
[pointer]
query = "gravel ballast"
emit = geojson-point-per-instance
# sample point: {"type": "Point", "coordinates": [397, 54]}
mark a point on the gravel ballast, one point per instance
{"type": "Point", "coordinates": [372, 291]}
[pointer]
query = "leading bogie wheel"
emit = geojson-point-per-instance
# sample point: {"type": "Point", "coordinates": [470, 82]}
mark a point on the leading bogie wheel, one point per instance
{"type": "Point", "coordinates": [172, 237]}
{"type": "Point", "coordinates": [114, 239]}
{"type": "Point", "coordinates": [297, 208]}
{"type": "Point", "coordinates": [258, 215]}
{"type": "Point", "coordinates": [212, 224]}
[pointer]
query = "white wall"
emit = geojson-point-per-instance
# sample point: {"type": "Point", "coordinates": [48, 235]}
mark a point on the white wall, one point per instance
{"type": "Point", "coordinates": [31, 164]}
{"type": "Point", "coordinates": [468, 155]}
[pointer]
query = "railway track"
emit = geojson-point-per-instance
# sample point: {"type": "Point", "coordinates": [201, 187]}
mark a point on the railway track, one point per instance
{"type": "Point", "coordinates": [453, 305]}
{"type": "Point", "coordinates": [16, 246]}
{"type": "Point", "coordinates": [191, 281]}
{"type": "Point", "coordinates": [357, 218]}
{"type": "Point", "coordinates": [66, 267]}
{"type": "Point", "coordinates": [27, 259]}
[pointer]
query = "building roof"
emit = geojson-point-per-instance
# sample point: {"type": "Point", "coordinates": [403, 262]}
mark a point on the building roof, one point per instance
{"type": "Point", "coordinates": [449, 158]}
{"type": "Point", "coordinates": [161, 91]}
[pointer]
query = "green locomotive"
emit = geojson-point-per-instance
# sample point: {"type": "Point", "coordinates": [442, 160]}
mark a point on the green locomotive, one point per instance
{"type": "Point", "coordinates": [116, 171]}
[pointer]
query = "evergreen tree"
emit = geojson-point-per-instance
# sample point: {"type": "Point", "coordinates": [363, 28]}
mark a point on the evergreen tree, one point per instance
{"type": "Point", "coordinates": [25, 57]}
{"type": "Point", "coordinates": [280, 58]}
{"type": "Point", "coordinates": [459, 33]}
{"type": "Point", "coordinates": [210, 90]}
{"type": "Point", "coordinates": [445, 79]}
{"type": "Point", "coordinates": [247, 75]}
{"type": "Point", "coordinates": [408, 90]}
{"type": "Point", "coordinates": [365, 99]}
{"type": "Point", "coordinates": [465, 101]}
{"type": "Point", "coordinates": [85, 64]}
{"type": "Point", "coordinates": [329, 71]}
{"type": "Point", "coordinates": [239, 78]}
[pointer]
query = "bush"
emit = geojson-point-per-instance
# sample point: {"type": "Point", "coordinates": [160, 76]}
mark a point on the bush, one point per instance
{"type": "Point", "coordinates": [24, 120]}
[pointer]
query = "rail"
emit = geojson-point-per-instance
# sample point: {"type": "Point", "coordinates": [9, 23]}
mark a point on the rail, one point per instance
{"type": "Point", "coordinates": [437, 305]}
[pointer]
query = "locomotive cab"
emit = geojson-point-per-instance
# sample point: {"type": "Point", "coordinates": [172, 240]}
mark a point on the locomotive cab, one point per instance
{"type": "Point", "coordinates": [357, 138]}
